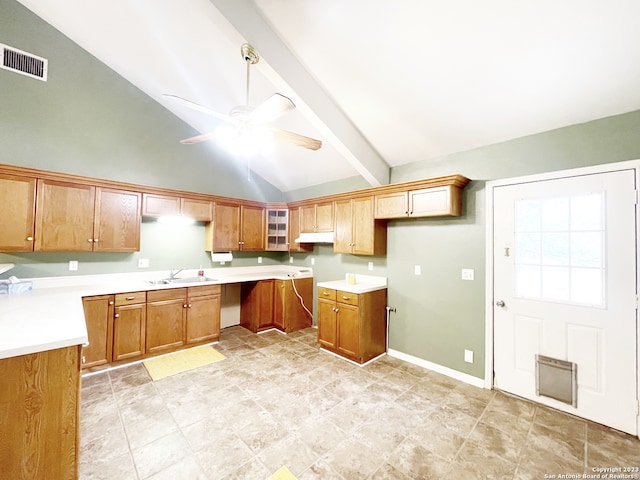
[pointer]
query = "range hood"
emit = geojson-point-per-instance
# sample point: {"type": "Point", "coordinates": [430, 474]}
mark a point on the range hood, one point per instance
{"type": "Point", "coordinates": [319, 237]}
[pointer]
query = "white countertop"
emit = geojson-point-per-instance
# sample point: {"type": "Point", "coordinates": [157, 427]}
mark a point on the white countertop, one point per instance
{"type": "Point", "coordinates": [51, 315]}
{"type": "Point", "coordinates": [364, 284]}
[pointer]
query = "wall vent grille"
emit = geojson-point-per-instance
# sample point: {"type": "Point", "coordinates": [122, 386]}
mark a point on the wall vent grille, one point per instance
{"type": "Point", "coordinates": [23, 63]}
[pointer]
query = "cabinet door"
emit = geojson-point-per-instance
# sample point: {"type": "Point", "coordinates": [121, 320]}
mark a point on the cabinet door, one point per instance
{"type": "Point", "coordinates": [343, 233]}
{"type": "Point", "coordinates": [294, 232]}
{"type": "Point", "coordinates": [200, 210]}
{"type": "Point", "coordinates": [348, 342]}
{"type": "Point", "coordinates": [225, 231]}
{"type": "Point", "coordinates": [252, 236]}
{"type": "Point", "coordinates": [98, 315]}
{"type": "Point", "coordinates": [327, 333]}
{"type": "Point", "coordinates": [158, 205]}
{"type": "Point", "coordinates": [279, 303]}
{"type": "Point", "coordinates": [17, 196]}
{"type": "Point", "coordinates": [165, 325]}
{"type": "Point", "coordinates": [369, 235]}
{"type": "Point", "coordinates": [203, 319]}
{"type": "Point", "coordinates": [324, 217]}
{"type": "Point", "coordinates": [392, 205]}
{"type": "Point", "coordinates": [129, 331]}
{"type": "Point", "coordinates": [277, 229]}
{"type": "Point", "coordinates": [64, 217]}
{"type": "Point", "coordinates": [117, 221]}
{"type": "Point", "coordinates": [256, 305]}
{"type": "Point", "coordinates": [308, 218]}
{"type": "Point", "coordinates": [431, 202]}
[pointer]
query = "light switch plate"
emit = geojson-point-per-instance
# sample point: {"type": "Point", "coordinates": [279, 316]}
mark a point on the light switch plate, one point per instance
{"type": "Point", "coordinates": [370, 266]}
{"type": "Point", "coordinates": [290, 259]}
{"type": "Point", "coordinates": [313, 261]}
{"type": "Point", "coordinates": [468, 274]}
{"type": "Point", "coordinates": [143, 263]}
{"type": "Point", "coordinates": [417, 269]}
{"type": "Point", "coordinates": [259, 259]}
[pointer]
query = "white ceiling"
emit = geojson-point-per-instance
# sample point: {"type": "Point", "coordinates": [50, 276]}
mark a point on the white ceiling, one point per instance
{"type": "Point", "coordinates": [381, 82]}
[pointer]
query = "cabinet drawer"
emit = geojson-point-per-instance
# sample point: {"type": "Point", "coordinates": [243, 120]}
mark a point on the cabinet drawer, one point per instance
{"type": "Point", "coordinates": [347, 297]}
{"type": "Point", "coordinates": [130, 298]}
{"type": "Point", "coordinates": [204, 290]}
{"type": "Point", "coordinates": [166, 294]}
{"type": "Point", "coordinates": [326, 293]}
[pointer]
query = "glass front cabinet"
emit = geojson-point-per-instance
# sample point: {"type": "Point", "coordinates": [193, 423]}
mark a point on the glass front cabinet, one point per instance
{"type": "Point", "coordinates": [278, 229]}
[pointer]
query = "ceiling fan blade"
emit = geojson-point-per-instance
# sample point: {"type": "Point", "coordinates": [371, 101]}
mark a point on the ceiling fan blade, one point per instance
{"type": "Point", "coordinates": [297, 139]}
{"type": "Point", "coordinates": [198, 138]}
{"type": "Point", "coordinates": [273, 107]}
{"type": "Point", "coordinates": [199, 108]}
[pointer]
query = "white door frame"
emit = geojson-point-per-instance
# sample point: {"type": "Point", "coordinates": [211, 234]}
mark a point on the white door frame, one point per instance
{"type": "Point", "coordinates": [489, 299]}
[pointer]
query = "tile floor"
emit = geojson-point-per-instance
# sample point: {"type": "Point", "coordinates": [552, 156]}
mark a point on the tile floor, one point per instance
{"type": "Point", "coordinates": [277, 400]}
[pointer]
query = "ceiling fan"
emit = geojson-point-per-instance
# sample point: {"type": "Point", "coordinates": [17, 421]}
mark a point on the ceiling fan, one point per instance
{"type": "Point", "coordinates": [246, 120]}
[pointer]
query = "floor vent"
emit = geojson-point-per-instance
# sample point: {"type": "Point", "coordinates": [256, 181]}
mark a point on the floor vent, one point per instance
{"type": "Point", "coordinates": [23, 63]}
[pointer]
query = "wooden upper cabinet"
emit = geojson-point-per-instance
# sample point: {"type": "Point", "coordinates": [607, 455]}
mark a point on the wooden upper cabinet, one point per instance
{"type": "Point", "coordinates": [316, 218]}
{"type": "Point", "coordinates": [72, 217]}
{"type": "Point", "coordinates": [154, 205]}
{"type": "Point", "coordinates": [425, 202]}
{"type": "Point", "coordinates": [64, 217]}
{"type": "Point", "coordinates": [117, 221]}
{"type": "Point", "coordinates": [252, 228]}
{"type": "Point", "coordinates": [235, 227]}
{"type": "Point", "coordinates": [200, 210]}
{"type": "Point", "coordinates": [18, 199]}
{"type": "Point", "coordinates": [294, 232]}
{"type": "Point", "coordinates": [356, 231]}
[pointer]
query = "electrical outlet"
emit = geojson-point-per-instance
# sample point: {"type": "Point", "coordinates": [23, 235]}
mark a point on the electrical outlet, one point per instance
{"type": "Point", "coordinates": [143, 263]}
{"type": "Point", "coordinates": [370, 266]}
{"type": "Point", "coordinates": [417, 269]}
{"type": "Point", "coordinates": [313, 261]}
{"type": "Point", "coordinates": [290, 259]}
{"type": "Point", "coordinates": [468, 274]}
{"type": "Point", "coordinates": [468, 356]}
{"type": "Point", "coordinates": [259, 259]}
{"type": "Point", "coordinates": [73, 265]}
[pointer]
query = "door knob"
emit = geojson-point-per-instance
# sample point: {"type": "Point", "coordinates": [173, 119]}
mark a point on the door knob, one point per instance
{"type": "Point", "coordinates": [500, 303]}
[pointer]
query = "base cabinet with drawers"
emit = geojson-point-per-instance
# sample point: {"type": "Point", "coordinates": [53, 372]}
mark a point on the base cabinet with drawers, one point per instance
{"type": "Point", "coordinates": [352, 325]}
{"type": "Point", "coordinates": [134, 325]}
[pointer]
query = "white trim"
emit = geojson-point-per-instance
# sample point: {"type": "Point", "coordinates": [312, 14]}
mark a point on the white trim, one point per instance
{"type": "Point", "coordinates": [449, 372]}
{"type": "Point", "coordinates": [349, 360]}
{"type": "Point", "coordinates": [489, 290]}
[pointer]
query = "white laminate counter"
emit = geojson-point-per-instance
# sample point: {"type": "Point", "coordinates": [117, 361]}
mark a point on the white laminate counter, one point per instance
{"type": "Point", "coordinates": [51, 315]}
{"type": "Point", "coordinates": [364, 284]}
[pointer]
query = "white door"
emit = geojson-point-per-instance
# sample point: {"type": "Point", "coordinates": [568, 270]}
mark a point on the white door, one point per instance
{"type": "Point", "coordinates": [565, 287]}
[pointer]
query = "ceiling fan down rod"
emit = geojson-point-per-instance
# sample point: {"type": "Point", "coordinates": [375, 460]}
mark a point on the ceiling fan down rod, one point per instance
{"type": "Point", "coordinates": [251, 57]}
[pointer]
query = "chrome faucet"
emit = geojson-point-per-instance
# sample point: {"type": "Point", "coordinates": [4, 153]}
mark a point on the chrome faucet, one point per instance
{"type": "Point", "coordinates": [172, 273]}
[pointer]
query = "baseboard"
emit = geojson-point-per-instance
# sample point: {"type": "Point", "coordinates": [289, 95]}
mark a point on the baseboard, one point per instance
{"type": "Point", "coordinates": [449, 372]}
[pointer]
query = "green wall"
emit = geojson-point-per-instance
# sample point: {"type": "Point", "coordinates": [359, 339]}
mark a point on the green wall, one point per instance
{"type": "Point", "coordinates": [87, 120]}
{"type": "Point", "coordinates": [95, 123]}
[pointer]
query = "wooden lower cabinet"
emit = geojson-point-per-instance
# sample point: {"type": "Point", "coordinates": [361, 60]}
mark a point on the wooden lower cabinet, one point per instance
{"type": "Point", "coordinates": [273, 304]}
{"type": "Point", "coordinates": [39, 415]}
{"type": "Point", "coordinates": [129, 325]}
{"type": "Point", "coordinates": [166, 312]}
{"type": "Point", "coordinates": [98, 314]}
{"type": "Point", "coordinates": [352, 325]}
{"type": "Point", "coordinates": [203, 314]}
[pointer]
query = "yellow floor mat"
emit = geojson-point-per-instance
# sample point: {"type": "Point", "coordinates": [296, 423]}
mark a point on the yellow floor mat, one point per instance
{"type": "Point", "coordinates": [178, 362]}
{"type": "Point", "coordinates": [282, 473]}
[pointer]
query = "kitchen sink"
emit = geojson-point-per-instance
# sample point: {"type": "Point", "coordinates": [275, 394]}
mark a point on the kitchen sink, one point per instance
{"type": "Point", "coordinates": [192, 280]}
{"type": "Point", "coordinates": [169, 281]}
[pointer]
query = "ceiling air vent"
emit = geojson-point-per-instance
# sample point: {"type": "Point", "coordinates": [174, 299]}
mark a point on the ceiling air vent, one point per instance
{"type": "Point", "coordinates": [23, 62]}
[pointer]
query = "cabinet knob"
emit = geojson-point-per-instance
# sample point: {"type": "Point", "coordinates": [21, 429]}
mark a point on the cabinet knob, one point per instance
{"type": "Point", "coordinates": [184, 306]}
{"type": "Point", "coordinates": [111, 302]}
{"type": "Point", "coordinates": [116, 315]}
{"type": "Point", "coordinates": [189, 305]}
{"type": "Point", "coordinates": [325, 293]}
{"type": "Point", "coordinates": [30, 239]}
{"type": "Point", "coordinates": [95, 240]}
{"type": "Point", "coordinates": [337, 310]}
{"type": "Point", "coordinates": [131, 298]}
{"type": "Point", "coordinates": [89, 240]}
{"type": "Point", "coordinates": [344, 297]}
